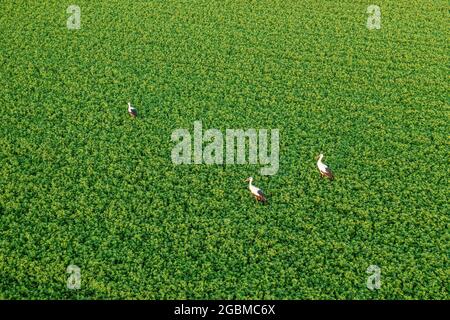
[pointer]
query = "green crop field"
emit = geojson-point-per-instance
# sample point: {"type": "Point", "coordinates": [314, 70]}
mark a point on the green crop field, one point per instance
{"type": "Point", "coordinates": [82, 183]}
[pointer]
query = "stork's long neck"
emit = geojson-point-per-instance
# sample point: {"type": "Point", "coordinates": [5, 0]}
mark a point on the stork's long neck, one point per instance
{"type": "Point", "coordinates": [320, 159]}
{"type": "Point", "coordinates": [249, 183]}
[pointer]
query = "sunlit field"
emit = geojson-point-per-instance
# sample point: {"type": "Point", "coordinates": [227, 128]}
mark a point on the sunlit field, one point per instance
{"type": "Point", "coordinates": [84, 184]}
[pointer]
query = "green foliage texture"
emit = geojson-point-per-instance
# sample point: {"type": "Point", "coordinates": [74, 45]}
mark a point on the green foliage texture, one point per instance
{"type": "Point", "coordinates": [82, 183]}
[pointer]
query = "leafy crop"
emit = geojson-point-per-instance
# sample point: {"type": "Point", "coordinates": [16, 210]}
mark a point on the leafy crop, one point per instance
{"type": "Point", "coordinates": [82, 183]}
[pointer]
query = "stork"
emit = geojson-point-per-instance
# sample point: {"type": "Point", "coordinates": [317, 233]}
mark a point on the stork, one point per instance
{"type": "Point", "coordinates": [323, 168]}
{"type": "Point", "coordinates": [256, 192]}
{"type": "Point", "coordinates": [131, 110]}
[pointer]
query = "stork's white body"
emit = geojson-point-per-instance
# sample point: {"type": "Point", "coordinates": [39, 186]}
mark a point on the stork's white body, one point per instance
{"type": "Point", "coordinates": [324, 169]}
{"type": "Point", "coordinates": [132, 111]}
{"type": "Point", "coordinates": [322, 166]}
{"type": "Point", "coordinates": [256, 192]}
{"type": "Point", "coordinates": [253, 189]}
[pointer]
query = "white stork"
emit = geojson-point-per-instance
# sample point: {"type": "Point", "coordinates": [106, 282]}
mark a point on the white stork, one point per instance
{"type": "Point", "coordinates": [256, 192]}
{"type": "Point", "coordinates": [323, 168]}
{"type": "Point", "coordinates": [131, 110]}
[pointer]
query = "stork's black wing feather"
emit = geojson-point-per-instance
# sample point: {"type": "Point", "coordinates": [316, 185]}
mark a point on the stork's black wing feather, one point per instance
{"type": "Point", "coordinates": [329, 173]}
{"type": "Point", "coordinates": [262, 196]}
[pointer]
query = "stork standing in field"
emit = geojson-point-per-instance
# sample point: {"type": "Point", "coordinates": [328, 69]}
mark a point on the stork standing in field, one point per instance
{"type": "Point", "coordinates": [256, 192]}
{"type": "Point", "coordinates": [323, 168]}
{"type": "Point", "coordinates": [131, 110]}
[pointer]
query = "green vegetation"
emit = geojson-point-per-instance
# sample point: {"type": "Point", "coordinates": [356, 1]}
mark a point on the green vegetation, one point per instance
{"type": "Point", "coordinates": [82, 183]}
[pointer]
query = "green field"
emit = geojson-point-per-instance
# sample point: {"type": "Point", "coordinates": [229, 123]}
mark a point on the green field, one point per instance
{"type": "Point", "coordinates": [83, 183]}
